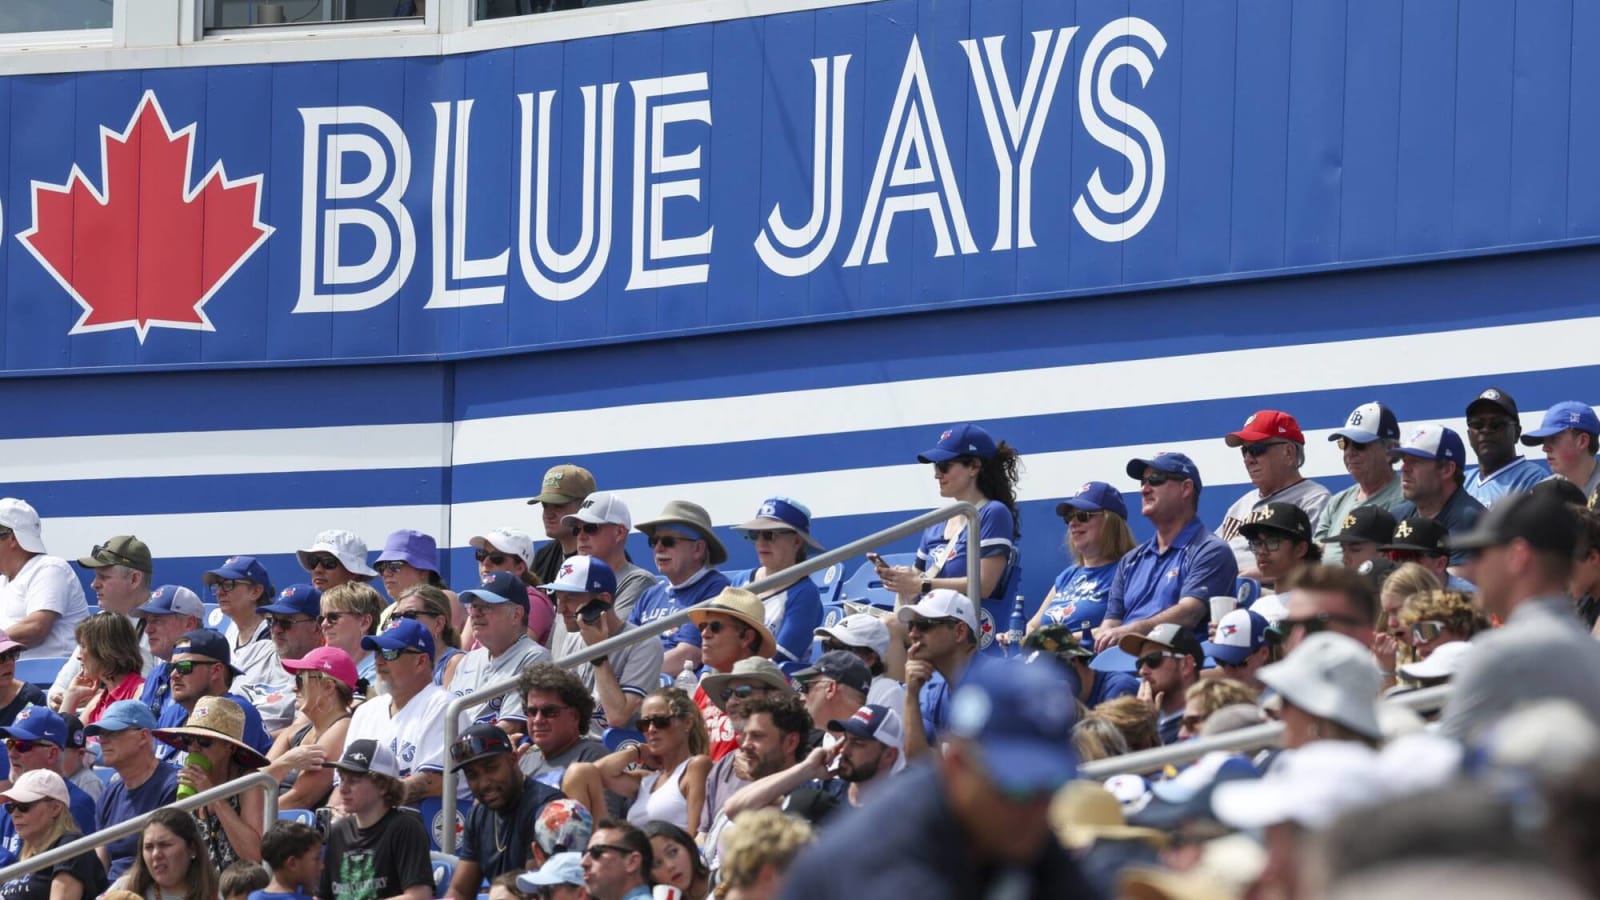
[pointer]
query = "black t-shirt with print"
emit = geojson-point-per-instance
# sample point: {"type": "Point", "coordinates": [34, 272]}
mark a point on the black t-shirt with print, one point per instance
{"type": "Point", "coordinates": [372, 863]}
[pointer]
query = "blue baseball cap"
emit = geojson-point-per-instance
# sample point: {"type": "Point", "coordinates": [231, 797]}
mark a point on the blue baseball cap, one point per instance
{"type": "Point", "coordinates": [1564, 416]}
{"type": "Point", "coordinates": [1021, 718]}
{"type": "Point", "coordinates": [402, 634]}
{"type": "Point", "coordinates": [1239, 633]}
{"type": "Point", "coordinates": [38, 723]}
{"type": "Point", "coordinates": [1094, 496]}
{"type": "Point", "coordinates": [241, 568]}
{"type": "Point", "coordinates": [296, 599]}
{"type": "Point", "coordinates": [121, 716]}
{"type": "Point", "coordinates": [172, 600]}
{"type": "Point", "coordinates": [207, 643]}
{"type": "Point", "coordinates": [500, 587]}
{"type": "Point", "coordinates": [965, 439]}
{"type": "Point", "coordinates": [1432, 440]}
{"type": "Point", "coordinates": [1170, 462]}
{"type": "Point", "coordinates": [1367, 423]}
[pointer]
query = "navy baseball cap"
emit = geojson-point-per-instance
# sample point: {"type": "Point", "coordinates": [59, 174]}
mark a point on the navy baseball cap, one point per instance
{"type": "Point", "coordinates": [479, 742]}
{"type": "Point", "coordinates": [38, 723]}
{"type": "Point", "coordinates": [1431, 440]}
{"type": "Point", "coordinates": [1092, 497]}
{"type": "Point", "coordinates": [1567, 415]}
{"type": "Point", "coordinates": [241, 568]}
{"type": "Point", "coordinates": [965, 439]}
{"type": "Point", "coordinates": [1367, 423]}
{"type": "Point", "coordinates": [296, 599]}
{"type": "Point", "coordinates": [1169, 462]}
{"type": "Point", "coordinates": [841, 666]}
{"type": "Point", "coordinates": [121, 716]}
{"type": "Point", "coordinates": [500, 587]}
{"type": "Point", "coordinates": [402, 634]}
{"type": "Point", "coordinates": [1021, 718]}
{"type": "Point", "coordinates": [207, 643]}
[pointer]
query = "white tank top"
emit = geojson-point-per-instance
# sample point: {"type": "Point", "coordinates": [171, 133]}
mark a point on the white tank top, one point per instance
{"type": "Point", "coordinates": [666, 805]}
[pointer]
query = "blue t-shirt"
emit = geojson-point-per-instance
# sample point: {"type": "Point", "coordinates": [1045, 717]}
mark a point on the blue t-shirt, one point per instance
{"type": "Point", "coordinates": [793, 617]}
{"type": "Point", "coordinates": [81, 805]}
{"type": "Point", "coordinates": [935, 699]}
{"type": "Point", "coordinates": [279, 895]}
{"type": "Point", "coordinates": [157, 687]}
{"type": "Point", "coordinates": [660, 600]}
{"type": "Point", "coordinates": [1150, 581]}
{"type": "Point", "coordinates": [1080, 596]}
{"type": "Point", "coordinates": [1459, 514]}
{"type": "Point", "coordinates": [996, 532]}
{"type": "Point", "coordinates": [173, 715]}
{"type": "Point", "coordinates": [1110, 686]}
{"type": "Point", "coordinates": [118, 804]}
{"type": "Point", "coordinates": [1515, 477]}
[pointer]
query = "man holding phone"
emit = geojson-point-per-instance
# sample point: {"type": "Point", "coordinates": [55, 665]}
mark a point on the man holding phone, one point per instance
{"type": "Point", "coordinates": [585, 593]}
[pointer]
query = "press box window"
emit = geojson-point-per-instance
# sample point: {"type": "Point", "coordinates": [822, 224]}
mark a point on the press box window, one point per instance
{"type": "Point", "coordinates": [252, 13]}
{"type": "Point", "coordinates": [20, 16]}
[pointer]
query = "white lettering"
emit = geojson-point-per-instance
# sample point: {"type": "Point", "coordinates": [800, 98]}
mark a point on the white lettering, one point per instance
{"type": "Point", "coordinates": [597, 166]}
{"type": "Point", "coordinates": [651, 144]}
{"type": "Point", "coordinates": [827, 182]}
{"type": "Point", "coordinates": [1016, 146]}
{"type": "Point", "coordinates": [450, 198]}
{"type": "Point", "coordinates": [394, 238]}
{"type": "Point", "coordinates": [912, 128]}
{"type": "Point", "coordinates": [1096, 59]}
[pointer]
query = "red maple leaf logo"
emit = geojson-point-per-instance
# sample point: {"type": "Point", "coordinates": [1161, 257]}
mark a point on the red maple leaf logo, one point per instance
{"type": "Point", "coordinates": [148, 250]}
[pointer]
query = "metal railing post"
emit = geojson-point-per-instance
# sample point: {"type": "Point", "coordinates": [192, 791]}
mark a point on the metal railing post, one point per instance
{"type": "Point", "coordinates": [88, 843]}
{"type": "Point", "coordinates": [447, 790]}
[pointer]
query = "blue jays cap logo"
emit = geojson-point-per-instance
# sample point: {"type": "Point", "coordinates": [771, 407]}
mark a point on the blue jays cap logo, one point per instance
{"type": "Point", "coordinates": [1491, 394]}
{"type": "Point", "coordinates": [159, 593]}
{"type": "Point", "coordinates": [770, 509]}
{"type": "Point", "coordinates": [945, 436]}
{"type": "Point", "coordinates": [1230, 629]}
{"type": "Point", "coordinates": [566, 569]}
{"type": "Point", "coordinates": [286, 592]}
{"type": "Point", "coordinates": [230, 560]}
{"type": "Point", "coordinates": [487, 579]}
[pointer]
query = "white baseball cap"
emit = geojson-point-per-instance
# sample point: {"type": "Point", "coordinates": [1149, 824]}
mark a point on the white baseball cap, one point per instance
{"type": "Point", "coordinates": [23, 521]}
{"type": "Point", "coordinates": [36, 785]}
{"type": "Point", "coordinates": [1443, 662]}
{"type": "Point", "coordinates": [941, 603]}
{"type": "Point", "coordinates": [507, 540]}
{"type": "Point", "coordinates": [1310, 786]}
{"type": "Point", "coordinates": [601, 508]}
{"type": "Point", "coordinates": [347, 547]}
{"type": "Point", "coordinates": [860, 630]}
{"type": "Point", "coordinates": [583, 575]}
{"type": "Point", "coordinates": [1333, 677]}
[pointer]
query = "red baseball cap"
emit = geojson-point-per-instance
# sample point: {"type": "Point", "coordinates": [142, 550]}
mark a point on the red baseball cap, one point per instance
{"type": "Point", "coordinates": [1267, 425]}
{"type": "Point", "coordinates": [330, 661]}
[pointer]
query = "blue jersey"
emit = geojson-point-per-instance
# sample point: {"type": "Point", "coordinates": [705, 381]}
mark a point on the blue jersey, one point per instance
{"type": "Point", "coordinates": [1079, 596]}
{"type": "Point", "coordinates": [1459, 514]}
{"type": "Point", "coordinates": [935, 699]}
{"type": "Point", "coordinates": [1514, 477]}
{"type": "Point", "coordinates": [660, 600]}
{"type": "Point", "coordinates": [1150, 581]}
{"type": "Point", "coordinates": [996, 532]}
{"type": "Point", "coordinates": [1110, 686]}
{"type": "Point", "coordinates": [793, 617]}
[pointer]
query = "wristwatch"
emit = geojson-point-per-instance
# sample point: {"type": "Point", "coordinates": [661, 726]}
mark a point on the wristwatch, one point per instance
{"type": "Point", "coordinates": [927, 585]}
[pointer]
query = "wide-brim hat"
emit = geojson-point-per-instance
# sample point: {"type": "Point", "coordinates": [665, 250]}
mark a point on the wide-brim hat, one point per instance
{"type": "Point", "coordinates": [740, 604]}
{"type": "Point", "coordinates": [347, 547]}
{"type": "Point", "coordinates": [1332, 677]}
{"type": "Point", "coordinates": [217, 718]}
{"type": "Point", "coordinates": [781, 514]}
{"type": "Point", "coordinates": [693, 515]}
{"type": "Point", "coordinates": [751, 668]}
{"type": "Point", "coordinates": [1083, 812]}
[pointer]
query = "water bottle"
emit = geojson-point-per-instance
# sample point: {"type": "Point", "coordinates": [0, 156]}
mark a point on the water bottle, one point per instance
{"type": "Point", "coordinates": [1019, 623]}
{"type": "Point", "coordinates": [688, 679]}
{"type": "Point", "coordinates": [193, 761]}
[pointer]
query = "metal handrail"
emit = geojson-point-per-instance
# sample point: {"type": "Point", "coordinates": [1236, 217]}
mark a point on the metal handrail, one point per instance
{"type": "Point", "coordinates": [88, 843]}
{"type": "Point", "coordinates": [447, 835]}
{"type": "Point", "coordinates": [1243, 740]}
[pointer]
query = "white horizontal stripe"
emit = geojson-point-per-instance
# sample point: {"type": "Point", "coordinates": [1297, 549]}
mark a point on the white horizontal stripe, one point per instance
{"type": "Point", "coordinates": [356, 447]}
{"type": "Point", "coordinates": [223, 534]}
{"type": "Point", "coordinates": [1032, 392]}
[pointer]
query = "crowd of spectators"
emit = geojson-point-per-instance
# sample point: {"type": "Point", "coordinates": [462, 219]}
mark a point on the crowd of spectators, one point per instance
{"type": "Point", "coordinates": [756, 751]}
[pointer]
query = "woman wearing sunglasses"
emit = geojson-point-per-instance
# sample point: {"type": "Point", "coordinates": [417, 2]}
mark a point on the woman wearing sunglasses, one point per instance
{"type": "Point", "coordinates": [213, 738]}
{"type": "Point", "coordinates": [172, 862]}
{"type": "Point", "coordinates": [1392, 645]}
{"type": "Point", "coordinates": [349, 613]}
{"type": "Point", "coordinates": [781, 531]}
{"type": "Point", "coordinates": [431, 606]}
{"type": "Point", "coordinates": [1431, 619]}
{"type": "Point", "coordinates": [509, 550]}
{"type": "Point", "coordinates": [969, 466]}
{"type": "Point", "coordinates": [39, 810]}
{"type": "Point", "coordinates": [1098, 538]}
{"type": "Point", "coordinates": [665, 777]}
{"type": "Point", "coordinates": [325, 686]}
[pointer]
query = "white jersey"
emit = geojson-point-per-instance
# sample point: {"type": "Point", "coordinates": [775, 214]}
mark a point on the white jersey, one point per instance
{"type": "Point", "coordinates": [415, 734]}
{"type": "Point", "coordinates": [263, 680]}
{"type": "Point", "coordinates": [477, 670]}
{"type": "Point", "coordinates": [45, 583]}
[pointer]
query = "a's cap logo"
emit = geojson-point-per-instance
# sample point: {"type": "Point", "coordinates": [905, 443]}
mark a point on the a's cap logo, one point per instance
{"type": "Point", "coordinates": [1350, 521]}
{"type": "Point", "coordinates": [1403, 531]}
{"type": "Point", "coordinates": [554, 479]}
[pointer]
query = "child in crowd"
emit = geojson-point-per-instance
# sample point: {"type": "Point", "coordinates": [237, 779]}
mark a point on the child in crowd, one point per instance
{"type": "Point", "coordinates": [242, 879]}
{"type": "Point", "coordinates": [293, 851]}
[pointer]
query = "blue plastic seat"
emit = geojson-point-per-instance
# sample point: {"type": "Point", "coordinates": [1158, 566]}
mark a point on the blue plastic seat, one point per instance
{"type": "Point", "coordinates": [1248, 590]}
{"type": "Point", "coordinates": [216, 619]}
{"type": "Point", "coordinates": [106, 773]}
{"type": "Point", "coordinates": [303, 816]}
{"type": "Point", "coordinates": [829, 581]}
{"type": "Point", "coordinates": [444, 869]}
{"type": "Point", "coordinates": [864, 587]}
{"type": "Point", "coordinates": [41, 671]}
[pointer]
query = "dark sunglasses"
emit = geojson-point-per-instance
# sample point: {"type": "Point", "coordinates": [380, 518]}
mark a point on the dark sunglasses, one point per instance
{"type": "Point", "coordinates": [662, 722]}
{"type": "Point", "coordinates": [548, 711]}
{"type": "Point", "coordinates": [22, 745]}
{"type": "Point", "coordinates": [666, 540]}
{"type": "Point", "coordinates": [11, 655]}
{"type": "Point", "coordinates": [945, 466]}
{"type": "Point", "coordinates": [495, 557]}
{"type": "Point", "coordinates": [410, 614]}
{"type": "Point", "coordinates": [1082, 516]}
{"type": "Point", "coordinates": [223, 587]}
{"type": "Point", "coordinates": [1316, 623]}
{"type": "Point", "coordinates": [390, 567]}
{"type": "Point", "coordinates": [714, 626]}
{"type": "Point", "coordinates": [330, 618]}
{"type": "Point", "coordinates": [763, 537]}
{"type": "Point", "coordinates": [595, 851]}
{"type": "Point", "coordinates": [922, 624]}
{"type": "Point", "coordinates": [186, 666]}
{"type": "Point", "coordinates": [1157, 479]}
{"type": "Point", "coordinates": [589, 528]}
{"type": "Point", "coordinates": [20, 806]}
{"type": "Point", "coordinates": [1425, 631]}
{"type": "Point", "coordinates": [323, 562]}
{"type": "Point", "coordinates": [102, 548]}
{"type": "Point", "coordinates": [281, 624]}
{"type": "Point", "coordinates": [190, 743]}
{"type": "Point", "coordinates": [830, 646]}
{"type": "Point", "coordinates": [1347, 444]}
{"type": "Point", "coordinates": [1154, 660]}
{"type": "Point", "coordinates": [1255, 450]}
{"type": "Point", "coordinates": [743, 691]}
{"type": "Point", "coordinates": [392, 655]}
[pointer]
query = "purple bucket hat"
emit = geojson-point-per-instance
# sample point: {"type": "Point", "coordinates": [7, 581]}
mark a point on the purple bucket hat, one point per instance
{"type": "Point", "coordinates": [413, 548]}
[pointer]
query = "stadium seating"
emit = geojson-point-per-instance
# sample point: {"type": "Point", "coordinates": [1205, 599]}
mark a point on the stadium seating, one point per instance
{"type": "Point", "coordinates": [41, 671]}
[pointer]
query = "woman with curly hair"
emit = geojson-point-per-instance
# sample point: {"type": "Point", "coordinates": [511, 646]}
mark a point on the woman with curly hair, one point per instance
{"type": "Point", "coordinates": [757, 852]}
{"type": "Point", "coordinates": [1392, 646]}
{"type": "Point", "coordinates": [1432, 619]}
{"type": "Point", "coordinates": [665, 777]}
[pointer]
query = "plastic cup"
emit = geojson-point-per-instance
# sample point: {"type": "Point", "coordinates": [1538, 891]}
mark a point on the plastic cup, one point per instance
{"type": "Point", "coordinates": [195, 761]}
{"type": "Point", "coordinates": [1221, 606]}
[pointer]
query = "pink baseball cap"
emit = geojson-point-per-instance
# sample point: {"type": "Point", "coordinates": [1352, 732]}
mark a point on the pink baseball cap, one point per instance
{"type": "Point", "coordinates": [6, 643]}
{"type": "Point", "coordinates": [330, 661]}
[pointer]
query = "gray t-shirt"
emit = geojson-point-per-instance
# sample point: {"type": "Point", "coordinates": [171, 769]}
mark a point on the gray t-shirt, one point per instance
{"type": "Point", "coordinates": [721, 783]}
{"type": "Point", "coordinates": [631, 582]}
{"type": "Point", "coordinates": [1343, 504]}
{"type": "Point", "coordinates": [1306, 494]}
{"type": "Point", "coordinates": [478, 670]}
{"type": "Point", "coordinates": [637, 667]}
{"type": "Point", "coordinates": [551, 770]}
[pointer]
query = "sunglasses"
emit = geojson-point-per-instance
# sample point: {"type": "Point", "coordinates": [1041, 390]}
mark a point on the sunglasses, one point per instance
{"type": "Point", "coordinates": [389, 568]}
{"type": "Point", "coordinates": [595, 851]}
{"type": "Point", "coordinates": [474, 745]}
{"type": "Point", "coordinates": [1082, 516]}
{"type": "Point", "coordinates": [714, 626]}
{"type": "Point", "coordinates": [280, 624]}
{"type": "Point", "coordinates": [1157, 479]}
{"type": "Point", "coordinates": [1425, 631]}
{"type": "Point", "coordinates": [103, 549]}
{"type": "Point", "coordinates": [331, 618]}
{"type": "Point", "coordinates": [667, 541]}
{"type": "Point", "coordinates": [548, 711]}
{"type": "Point", "coordinates": [328, 563]}
{"type": "Point", "coordinates": [767, 537]}
{"type": "Point", "coordinates": [186, 666]}
{"type": "Point", "coordinates": [921, 624]}
{"type": "Point", "coordinates": [830, 646]}
{"type": "Point", "coordinates": [589, 528]}
{"type": "Point", "coordinates": [304, 678]}
{"type": "Point", "coordinates": [1316, 623]}
{"type": "Point", "coordinates": [494, 557]}
{"type": "Point", "coordinates": [1254, 451]}
{"type": "Point", "coordinates": [22, 745]}
{"type": "Point", "coordinates": [661, 722]}
{"type": "Point", "coordinates": [410, 614]}
{"type": "Point", "coordinates": [392, 655]}
{"type": "Point", "coordinates": [10, 655]}
{"type": "Point", "coordinates": [1155, 660]}
{"type": "Point", "coordinates": [1347, 444]}
{"type": "Point", "coordinates": [191, 743]}
{"type": "Point", "coordinates": [20, 806]}
{"type": "Point", "coordinates": [944, 467]}
{"type": "Point", "coordinates": [743, 691]}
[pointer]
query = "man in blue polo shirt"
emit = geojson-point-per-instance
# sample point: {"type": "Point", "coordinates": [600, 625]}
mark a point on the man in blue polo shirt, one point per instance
{"type": "Point", "coordinates": [686, 553]}
{"type": "Point", "coordinates": [36, 740]}
{"type": "Point", "coordinates": [1432, 463]}
{"type": "Point", "coordinates": [1173, 576]}
{"type": "Point", "coordinates": [1493, 426]}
